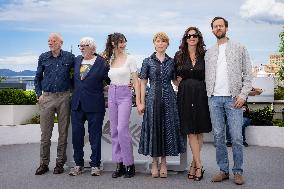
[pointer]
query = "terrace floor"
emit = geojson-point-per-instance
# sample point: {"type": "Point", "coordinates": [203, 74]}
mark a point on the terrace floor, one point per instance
{"type": "Point", "coordinates": [263, 169]}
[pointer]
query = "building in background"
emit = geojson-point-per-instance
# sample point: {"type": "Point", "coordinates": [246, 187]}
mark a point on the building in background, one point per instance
{"type": "Point", "coordinates": [270, 69]}
{"type": "Point", "coordinates": [277, 59]}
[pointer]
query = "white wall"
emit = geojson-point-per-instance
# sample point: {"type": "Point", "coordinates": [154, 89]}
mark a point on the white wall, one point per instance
{"type": "Point", "coordinates": [17, 114]}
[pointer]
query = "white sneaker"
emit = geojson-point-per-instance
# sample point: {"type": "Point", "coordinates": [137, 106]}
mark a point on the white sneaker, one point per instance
{"type": "Point", "coordinates": [77, 170]}
{"type": "Point", "coordinates": [95, 171]}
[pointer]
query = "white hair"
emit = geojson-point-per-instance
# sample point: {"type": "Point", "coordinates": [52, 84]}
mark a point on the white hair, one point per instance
{"type": "Point", "coordinates": [57, 35]}
{"type": "Point", "coordinates": [88, 41]}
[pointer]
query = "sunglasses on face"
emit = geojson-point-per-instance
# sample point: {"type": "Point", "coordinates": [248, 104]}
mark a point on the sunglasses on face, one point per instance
{"type": "Point", "coordinates": [82, 46]}
{"type": "Point", "coordinates": [188, 36]}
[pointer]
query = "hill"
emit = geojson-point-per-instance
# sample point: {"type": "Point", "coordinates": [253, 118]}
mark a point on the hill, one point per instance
{"type": "Point", "coordinates": [7, 73]}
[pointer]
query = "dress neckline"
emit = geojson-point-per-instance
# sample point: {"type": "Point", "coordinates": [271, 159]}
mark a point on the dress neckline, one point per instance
{"type": "Point", "coordinates": [190, 62]}
{"type": "Point", "coordinates": [122, 65]}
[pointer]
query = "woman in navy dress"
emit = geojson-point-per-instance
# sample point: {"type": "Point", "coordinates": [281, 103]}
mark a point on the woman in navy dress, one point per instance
{"type": "Point", "coordinates": [160, 134]}
{"type": "Point", "coordinates": [192, 97]}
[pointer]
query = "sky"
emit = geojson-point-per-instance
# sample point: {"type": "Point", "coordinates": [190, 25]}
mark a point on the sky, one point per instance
{"type": "Point", "coordinates": [26, 24]}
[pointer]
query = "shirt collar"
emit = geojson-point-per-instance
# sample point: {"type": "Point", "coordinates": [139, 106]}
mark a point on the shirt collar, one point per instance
{"type": "Point", "coordinates": [50, 54]}
{"type": "Point", "coordinates": [153, 56]}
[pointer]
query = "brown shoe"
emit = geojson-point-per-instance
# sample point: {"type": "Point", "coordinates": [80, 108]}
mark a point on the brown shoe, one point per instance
{"type": "Point", "coordinates": [42, 169]}
{"type": "Point", "coordinates": [220, 177]}
{"type": "Point", "coordinates": [238, 179]}
{"type": "Point", "coordinates": [58, 169]}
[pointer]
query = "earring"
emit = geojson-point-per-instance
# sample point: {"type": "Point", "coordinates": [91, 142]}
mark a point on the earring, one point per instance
{"type": "Point", "coordinates": [112, 56]}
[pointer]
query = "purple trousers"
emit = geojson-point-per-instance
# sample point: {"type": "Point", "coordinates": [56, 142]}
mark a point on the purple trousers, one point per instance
{"type": "Point", "coordinates": [119, 106]}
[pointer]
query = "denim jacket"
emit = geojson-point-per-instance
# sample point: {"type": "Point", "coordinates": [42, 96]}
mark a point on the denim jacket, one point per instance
{"type": "Point", "coordinates": [53, 73]}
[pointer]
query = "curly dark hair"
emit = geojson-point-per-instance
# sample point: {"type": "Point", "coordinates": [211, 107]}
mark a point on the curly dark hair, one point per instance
{"type": "Point", "coordinates": [182, 54]}
{"type": "Point", "coordinates": [112, 38]}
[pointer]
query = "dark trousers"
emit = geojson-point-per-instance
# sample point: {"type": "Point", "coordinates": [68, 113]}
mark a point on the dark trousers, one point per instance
{"type": "Point", "coordinates": [95, 122]}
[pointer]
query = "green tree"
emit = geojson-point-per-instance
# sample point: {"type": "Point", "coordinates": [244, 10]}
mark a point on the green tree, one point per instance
{"type": "Point", "coordinates": [2, 78]}
{"type": "Point", "coordinates": [281, 35]}
{"type": "Point", "coordinates": [281, 50]}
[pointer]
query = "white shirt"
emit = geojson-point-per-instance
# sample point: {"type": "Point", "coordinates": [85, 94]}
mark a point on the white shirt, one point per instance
{"type": "Point", "coordinates": [89, 62]}
{"type": "Point", "coordinates": [122, 74]}
{"type": "Point", "coordinates": [221, 87]}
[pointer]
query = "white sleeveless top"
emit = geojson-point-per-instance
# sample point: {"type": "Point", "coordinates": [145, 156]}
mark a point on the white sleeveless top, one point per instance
{"type": "Point", "coordinates": [121, 75]}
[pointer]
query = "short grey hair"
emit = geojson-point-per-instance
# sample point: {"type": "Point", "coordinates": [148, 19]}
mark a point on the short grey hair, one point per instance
{"type": "Point", "coordinates": [57, 35]}
{"type": "Point", "coordinates": [88, 41]}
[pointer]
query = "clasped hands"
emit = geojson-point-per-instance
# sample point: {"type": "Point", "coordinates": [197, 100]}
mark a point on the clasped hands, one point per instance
{"type": "Point", "coordinates": [140, 108]}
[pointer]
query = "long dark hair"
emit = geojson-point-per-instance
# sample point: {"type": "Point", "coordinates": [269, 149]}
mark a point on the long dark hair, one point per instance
{"type": "Point", "coordinates": [112, 38]}
{"type": "Point", "coordinates": [183, 48]}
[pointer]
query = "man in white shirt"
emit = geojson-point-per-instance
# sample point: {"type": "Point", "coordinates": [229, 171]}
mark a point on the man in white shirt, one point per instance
{"type": "Point", "coordinates": [228, 82]}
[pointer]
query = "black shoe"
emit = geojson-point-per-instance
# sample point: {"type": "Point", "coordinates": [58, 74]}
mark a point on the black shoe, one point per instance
{"type": "Point", "coordinates": [245, 144]}
{"type": "Point", "coordinates": [58, 169]}
{"type": "Point", "coordinates": [130, 171]}
{"type": "Point", "coordinates": [42, 169]}
{"type": "Point", "coordinates": [229, 144]}
{"type": "Point", "coordinates": [201, 176]}
{"type": "Point", "coordinates": [120, 170]}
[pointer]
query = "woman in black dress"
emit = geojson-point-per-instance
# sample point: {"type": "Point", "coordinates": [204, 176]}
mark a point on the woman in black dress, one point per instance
{"type": "Point", "coordinates": [192, 97]}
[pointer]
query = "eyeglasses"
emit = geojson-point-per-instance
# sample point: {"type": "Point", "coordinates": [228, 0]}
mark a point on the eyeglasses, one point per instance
{"type": "Point", "coordinates": [188, 36]}
{"type": "Point", "coordinates": [82, 46]}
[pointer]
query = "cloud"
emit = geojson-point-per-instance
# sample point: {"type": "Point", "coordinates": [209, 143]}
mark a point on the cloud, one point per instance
{"type": "Point", "coordinates": [19, 62]}
{"type": "Point", "coordinates": [99, 16]}
{"type": "Point", "coordinates": [269, 11]}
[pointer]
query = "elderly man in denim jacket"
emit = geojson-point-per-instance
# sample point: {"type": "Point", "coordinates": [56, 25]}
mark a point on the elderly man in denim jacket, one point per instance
{"type": "Point", "coordinates": [228, 82]}
{"type": "Point", "coordinates": [52, 85]}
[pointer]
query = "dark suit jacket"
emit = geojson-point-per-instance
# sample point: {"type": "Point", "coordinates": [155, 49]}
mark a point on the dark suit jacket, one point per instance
{"type": "Point", "coordinates": [89, 92]}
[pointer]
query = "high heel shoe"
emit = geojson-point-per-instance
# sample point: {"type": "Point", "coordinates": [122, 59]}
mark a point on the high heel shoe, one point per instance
{"type": "Point", "coordinates": [189, 175]}
{"type": "Point", "coordinates": [154, 170]}
{"type": "Point", "coordinates": [163, 171]}
{"type": "Point", "coordinates": [201, 176]}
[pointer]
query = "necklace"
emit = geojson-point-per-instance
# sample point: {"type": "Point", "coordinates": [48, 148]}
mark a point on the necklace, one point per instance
{"type": "Point", "coordinates": [193, 60]}
{"type": "Point", "coordinates": [192, 56]}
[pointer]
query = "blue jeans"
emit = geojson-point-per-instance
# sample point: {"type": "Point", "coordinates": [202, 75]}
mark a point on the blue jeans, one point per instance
{"type": "Point", "coordinates": [220, 106]}
{"type": "Point", "coordinates": [246, 122]}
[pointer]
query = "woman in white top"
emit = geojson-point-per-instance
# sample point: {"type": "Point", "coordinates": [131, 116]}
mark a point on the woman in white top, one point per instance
{"type": "Point", "coordinates": [122, 69]}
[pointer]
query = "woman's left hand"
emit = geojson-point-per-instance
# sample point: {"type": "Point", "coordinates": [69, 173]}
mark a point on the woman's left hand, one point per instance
{"type": "Point", "coordinates": [140, 108]}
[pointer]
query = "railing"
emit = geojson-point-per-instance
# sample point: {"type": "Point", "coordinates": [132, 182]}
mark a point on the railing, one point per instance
{"type": "Point", "coordinates": [29, 80]}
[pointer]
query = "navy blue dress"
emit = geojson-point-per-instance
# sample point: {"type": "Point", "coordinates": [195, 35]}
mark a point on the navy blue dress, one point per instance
{"type": "Point", "coordinates": [160, 133]}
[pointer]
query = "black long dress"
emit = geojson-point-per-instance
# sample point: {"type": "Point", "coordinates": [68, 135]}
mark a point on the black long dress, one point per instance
{"type": "Point", "coordinates": [192, 98]}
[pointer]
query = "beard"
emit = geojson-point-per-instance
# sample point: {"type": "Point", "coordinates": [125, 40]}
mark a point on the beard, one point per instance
{"type": "Point", "coordinates": [220, 36]}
